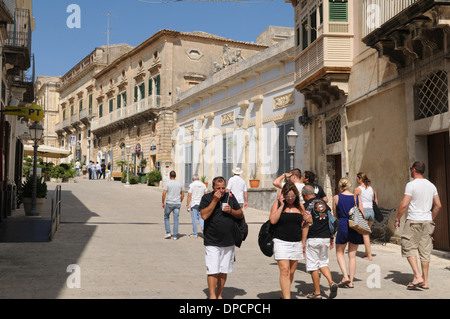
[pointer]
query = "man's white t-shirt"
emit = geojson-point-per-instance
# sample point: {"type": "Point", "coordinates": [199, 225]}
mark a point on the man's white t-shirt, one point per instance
{"type": "Point", "coordinates": [422, 192]}
{"type": "Point", "coordinates": [237, 186]}
{"type": "Point", "coordinates": [197, 189]}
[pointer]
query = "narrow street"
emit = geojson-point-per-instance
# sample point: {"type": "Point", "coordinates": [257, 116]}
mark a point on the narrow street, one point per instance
{"type": "Point", "coordinates": [112, 237]}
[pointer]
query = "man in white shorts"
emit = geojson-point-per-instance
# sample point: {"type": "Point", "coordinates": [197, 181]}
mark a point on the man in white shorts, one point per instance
{"type": "Point", "coordinates": [318, 241]}
{"type": "Point", "coordinates": [219, 211]}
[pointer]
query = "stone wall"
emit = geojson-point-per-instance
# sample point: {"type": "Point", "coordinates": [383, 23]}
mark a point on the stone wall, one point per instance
{"type": "Point", "coordinates": [261, 198]}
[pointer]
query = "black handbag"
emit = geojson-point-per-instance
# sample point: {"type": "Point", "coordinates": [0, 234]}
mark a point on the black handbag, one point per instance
{"type": "Point", "coordinates": [240, 231]}
{"type": "Point", "coordinates": [265, 238]}
{"type": "Point", "coordinates": [378, 214]}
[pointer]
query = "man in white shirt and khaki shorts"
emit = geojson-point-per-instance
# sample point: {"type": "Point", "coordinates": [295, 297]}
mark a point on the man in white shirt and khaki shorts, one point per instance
{"type": "Point", "coordinates": [423, 204]}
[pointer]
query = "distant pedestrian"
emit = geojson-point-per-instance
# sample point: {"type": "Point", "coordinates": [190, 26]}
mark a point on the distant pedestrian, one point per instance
{"type": "Point", "coordinates": [219, 211]}
{"type": "Point", "coordinates": [195, 193]}
{"type": "Point", "coordinates": [318, 241]}
{"type": "Point", "coordinates": [90, 169]}
{"type": "Point", "coordinates": [287, 216]}
{"type": "Point", "coordinates": [103, 168]}
{"type": "Point", "coordinates": [98, 170]}
{"type": "Point", "coordinates": [342, 203]}
{"type": "Point", "coordinates": [77, 167]}
{"type": "Point", "coordinates": [422, 201]}
{"type": "Point", "coordinates": [172, 197]}
{"type": "Point", "coordinates": [108, 171]}
{"type": "Point", "coordinates": [308, 178]}
{"type": "Point", "coordinates": [368, 195]}
{"type": "Point", "coordinates": [238, 188]}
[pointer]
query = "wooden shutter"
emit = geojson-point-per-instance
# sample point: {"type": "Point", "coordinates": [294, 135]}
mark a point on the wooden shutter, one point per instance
{"type": "Point", "coordinates": [338, 11]}
{"type": "Point", "coordinates": [119, 101]}
{"type": "Point", "coordinates": [100, 110]}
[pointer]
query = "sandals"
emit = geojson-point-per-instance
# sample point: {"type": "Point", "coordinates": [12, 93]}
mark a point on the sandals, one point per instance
{"type": "Point", "coordinates": [333, 290]}
{"type": "Point", "coordinates": [412, 286]}
{"type": "Point", "coordinates": [314, 296]}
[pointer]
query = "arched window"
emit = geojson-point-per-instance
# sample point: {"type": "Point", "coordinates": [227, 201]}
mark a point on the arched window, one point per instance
{"type": "Point", "coordinates": [122, 150]}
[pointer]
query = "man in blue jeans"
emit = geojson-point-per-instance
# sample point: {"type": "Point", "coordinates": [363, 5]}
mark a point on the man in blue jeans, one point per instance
{"type": "Point", "coordinates": [172, 197]}
{"type": "Point", "coordinates": [195, 193]}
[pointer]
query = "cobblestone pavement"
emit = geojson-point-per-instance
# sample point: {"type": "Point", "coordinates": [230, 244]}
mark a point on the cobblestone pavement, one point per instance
{"type": "Point", "coordinates": [111, 242]}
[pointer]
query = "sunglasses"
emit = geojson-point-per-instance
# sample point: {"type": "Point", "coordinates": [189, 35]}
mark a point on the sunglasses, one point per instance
{"type": "Point", "coordinates": [290, 196]}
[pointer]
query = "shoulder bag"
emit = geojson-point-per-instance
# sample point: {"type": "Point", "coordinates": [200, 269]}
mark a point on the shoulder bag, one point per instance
{"type": "Point", "coordinates": [265, 238]}
{"type": "Point", "coordinates": [378, 214]}
{"type": "Point", "coordinates": [356, 220]}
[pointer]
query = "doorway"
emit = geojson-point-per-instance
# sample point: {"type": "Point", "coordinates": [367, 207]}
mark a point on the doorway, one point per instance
{"type": "Point", "coordinates": [439, 175]}
{"type": "Point", "coordinates": [334, 169]}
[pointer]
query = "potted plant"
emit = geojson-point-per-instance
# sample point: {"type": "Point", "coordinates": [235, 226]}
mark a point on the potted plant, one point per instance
{"type": "Point", "coordinates": [56, 174]}
{"type": "Point", "coordinates": [204, 181]}
{"type": "Point", "coordinates": [254, 182]}
{"type": "Point", "coordinates": [25, 194]}
{"type": "Point", "coordinates": [153, 178]}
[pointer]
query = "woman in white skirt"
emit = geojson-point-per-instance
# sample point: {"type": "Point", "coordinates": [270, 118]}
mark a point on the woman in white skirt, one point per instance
{"type": "Point", "coordinates": [288, 217]}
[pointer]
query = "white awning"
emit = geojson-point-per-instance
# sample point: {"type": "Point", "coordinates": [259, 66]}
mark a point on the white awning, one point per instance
{"type": "Point", "coordinates": [46, 151]}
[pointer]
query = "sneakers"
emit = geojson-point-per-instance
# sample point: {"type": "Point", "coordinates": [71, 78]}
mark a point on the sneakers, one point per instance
{"type": "Point", "coordinates": [193, 236]}
{"type": "Point", "coordinates": [175, 237]}
{"type": "Point", "coordinates": [167, 236]}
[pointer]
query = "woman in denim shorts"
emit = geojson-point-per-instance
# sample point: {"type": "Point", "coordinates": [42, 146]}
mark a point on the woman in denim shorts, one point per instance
{"type": "Point", "coordinates": [368, 195]}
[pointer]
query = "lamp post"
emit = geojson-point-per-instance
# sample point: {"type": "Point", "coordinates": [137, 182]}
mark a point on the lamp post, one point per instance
{"type": "Point", "coordinates": [36, 131]}
{"type": "Point", "coordinates": [128, 164]}
{"type": "Point", "coordinates": [291, 140]}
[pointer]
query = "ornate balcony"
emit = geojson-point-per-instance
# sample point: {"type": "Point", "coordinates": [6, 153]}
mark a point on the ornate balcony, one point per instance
{"type": "Point", "coordinates": [409, 33]}
{"type": "Point", "coordinates": [324, 50]}
{"type": "Point", "coordinates": [140, 111]}
{"type": "Point", "coordinates": [17, 48]}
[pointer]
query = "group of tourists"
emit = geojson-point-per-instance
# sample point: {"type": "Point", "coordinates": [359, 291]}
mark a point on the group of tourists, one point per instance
{"type": "Point", "coordinates": [98, 170]}
{"type": "Point", "coordinates": [299, 218]}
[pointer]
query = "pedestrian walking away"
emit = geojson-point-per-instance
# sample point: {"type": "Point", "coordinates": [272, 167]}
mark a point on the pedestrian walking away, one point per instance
{"type": "Point", "coordinates": [319, 240]}
{"type": "Point", "coordinates": [172, 197]}
{"type": "Point", "coordinates": [422, 202]}
{"type": "Point", "coordinates": [77, 167]}
{"type": "Point", "coordinates": [294, 176]}
{"type": "Point", "coordinates": [342, 203]}
{"type": "Point", "coordinates": [288, 216]}
{"type": "Point", "coordinates": [195, 193]}
{"type": "Point", "coordinates": [368, 196]}
{"type": "Point", "coordinates": [103, 169]}
{"type": "Point", "coordinates": [238, 187]}
{"type": "Point", "coordinates": [308, 178]}
{"type": "Point", "coordinates": [219, 210]}
{"type": "Point", "coordinates": [98, 170]}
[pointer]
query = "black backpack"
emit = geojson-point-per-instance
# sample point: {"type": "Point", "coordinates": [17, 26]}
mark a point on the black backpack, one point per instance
{"type": "Point", "coordinates": [265, 238]}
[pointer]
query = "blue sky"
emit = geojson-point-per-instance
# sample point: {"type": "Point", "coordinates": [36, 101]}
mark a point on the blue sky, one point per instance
{"type": "Point", "coordinates": [57, 48]}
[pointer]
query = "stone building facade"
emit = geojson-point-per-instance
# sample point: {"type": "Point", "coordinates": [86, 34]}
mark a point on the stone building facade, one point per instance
{"type": "Point", "coordinates": [134, 95]}
{"type": "Point", "coordinates": [76, 101]}
{"type": "Point", "coordinates": [376, 94]}
{"type": "Point", "coordinates": [47, 96]}
{"type": "Point", "coordinates": [240, 118]}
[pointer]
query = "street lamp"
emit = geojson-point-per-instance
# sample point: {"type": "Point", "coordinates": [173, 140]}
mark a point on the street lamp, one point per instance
{"type": "Point", "coordinates": [292, 140]}
{"type": "Point", "coordinates": [239, 120]}
{"type": "Point", "coordinates": [36, 131]}
{"type": "Point", "coordinates": [128, 164]}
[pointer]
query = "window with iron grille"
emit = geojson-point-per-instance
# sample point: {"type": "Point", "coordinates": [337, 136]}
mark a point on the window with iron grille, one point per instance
{"type": "Point", "coordinates": [334, 130]}
{"type": "Point", "coordinates": [432, 96]}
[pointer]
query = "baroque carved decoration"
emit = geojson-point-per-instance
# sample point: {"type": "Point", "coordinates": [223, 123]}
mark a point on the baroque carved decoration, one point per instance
{"type": "Point", "coordinates": [227, 118]}
{"type": "Point", "coordinates": [228, 58]}
{"type": "Point", "coordinates": [283, 100]}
